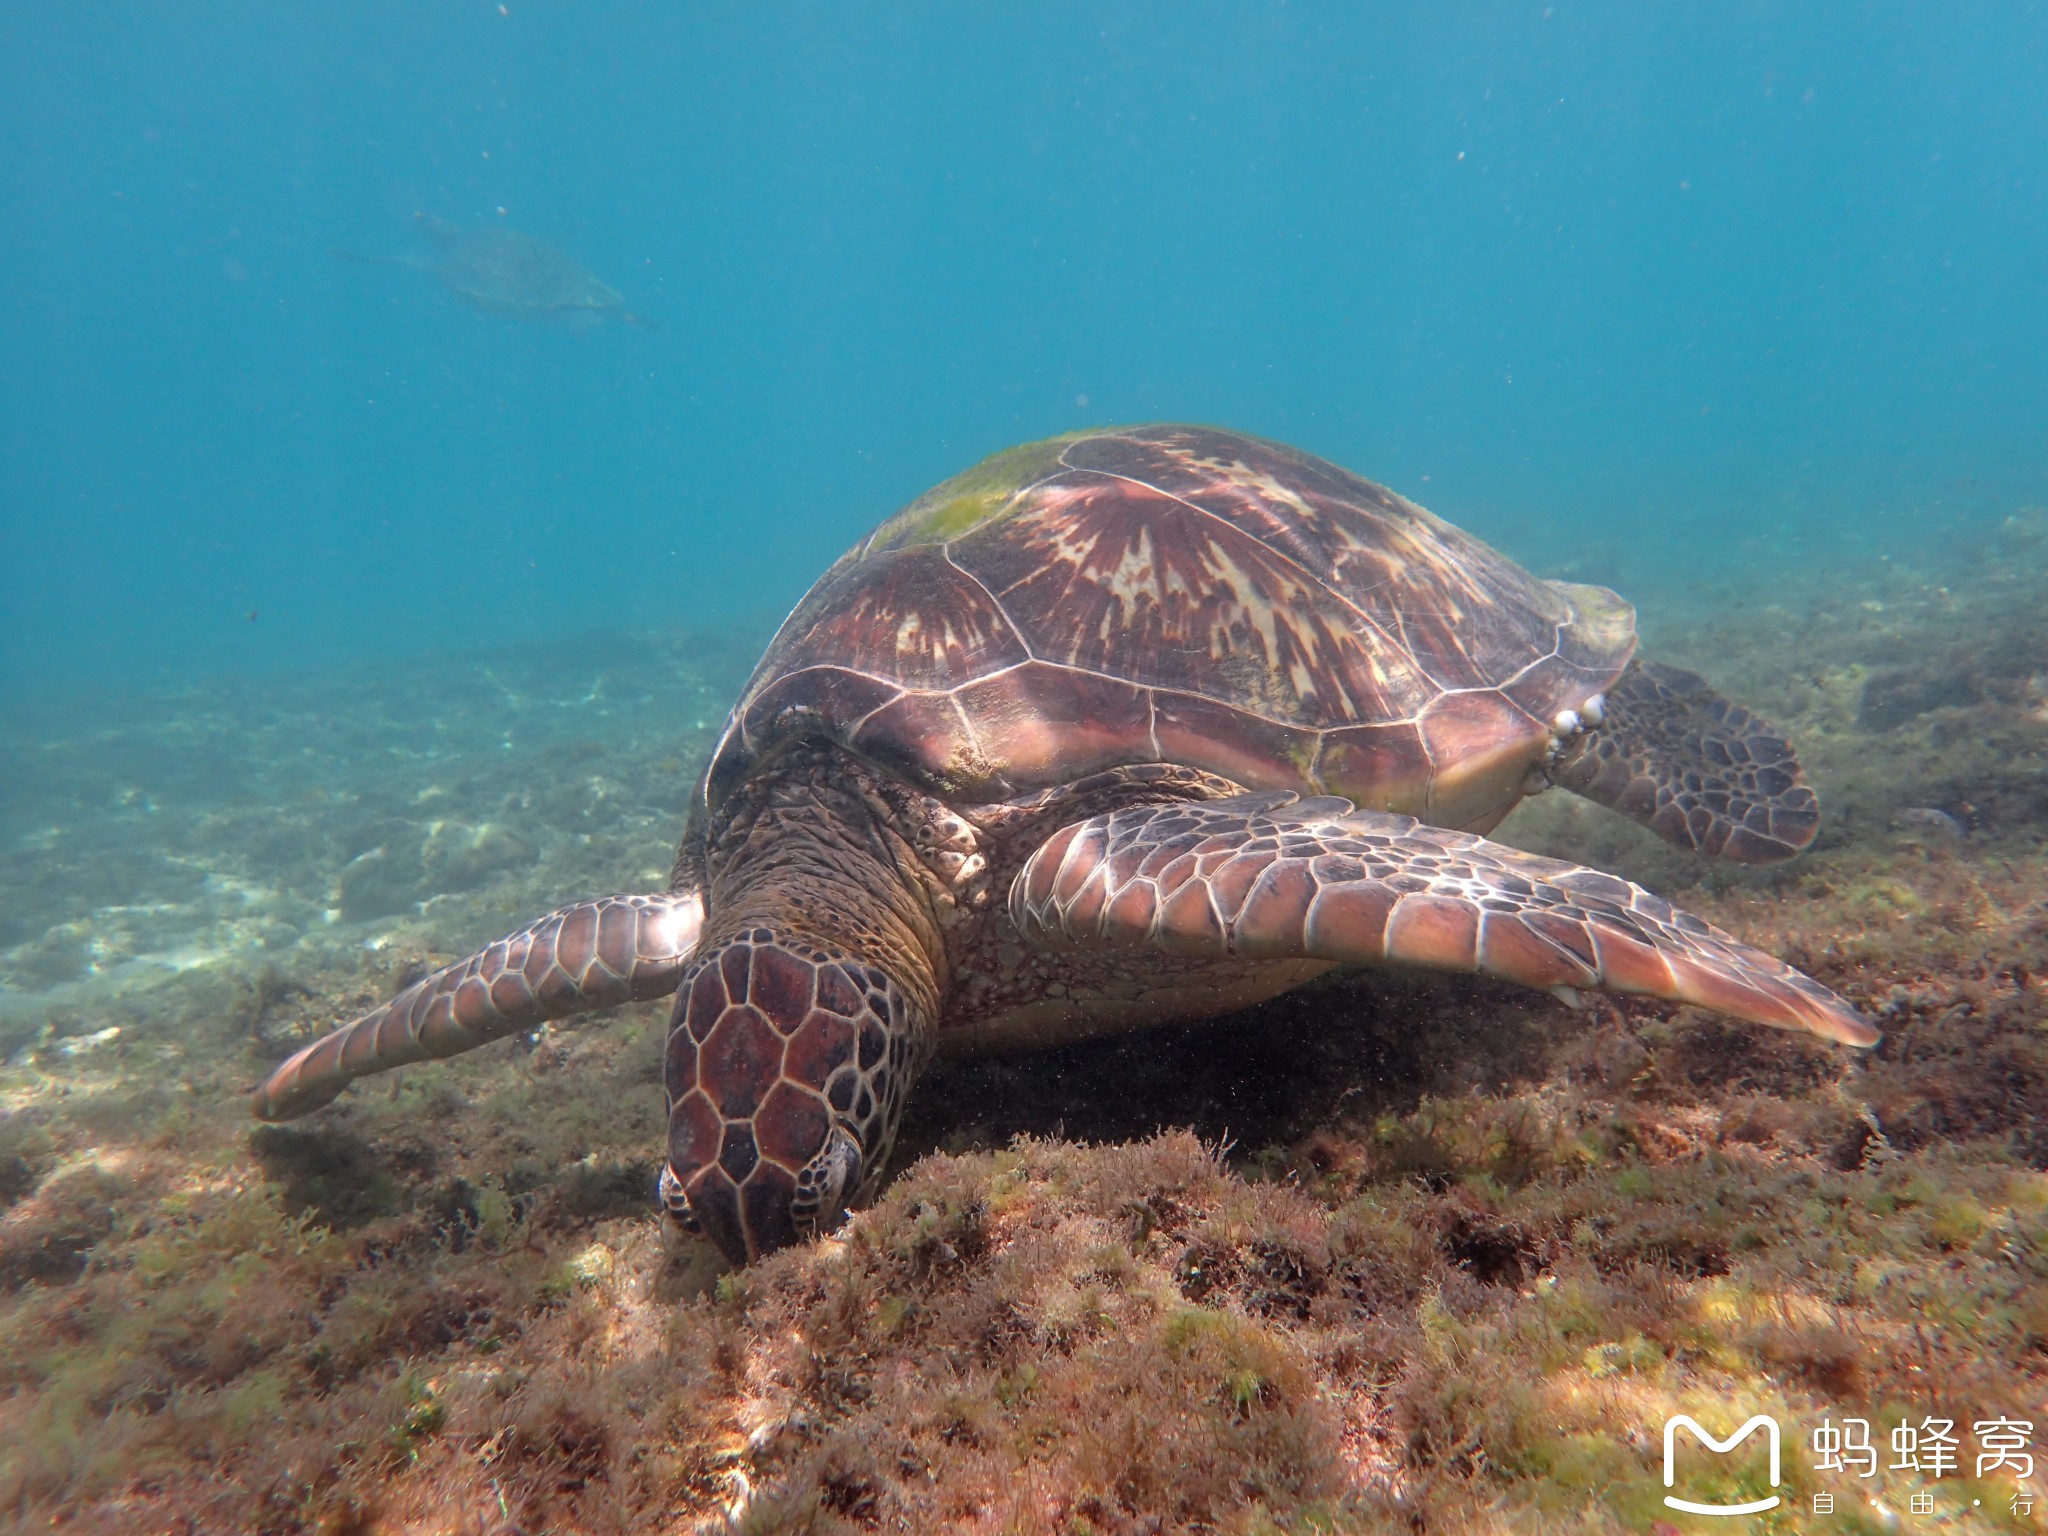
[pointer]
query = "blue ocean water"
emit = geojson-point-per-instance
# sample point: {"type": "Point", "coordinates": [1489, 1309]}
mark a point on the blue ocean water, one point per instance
{"type": "Point", "coordinates": [1724, 285]}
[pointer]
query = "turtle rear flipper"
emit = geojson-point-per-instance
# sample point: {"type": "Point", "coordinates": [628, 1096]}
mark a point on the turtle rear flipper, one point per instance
{"type": "Point", "coordinates": [1698, 770]}
{"type": "Point", "coordinates": [1267, 876]}
{"type": "Point", "coordinates": [595, 954]}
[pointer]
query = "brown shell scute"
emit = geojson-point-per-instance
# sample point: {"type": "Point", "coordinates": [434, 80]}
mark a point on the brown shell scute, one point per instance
{"type": "Point", "coordinates": [1187, 595]}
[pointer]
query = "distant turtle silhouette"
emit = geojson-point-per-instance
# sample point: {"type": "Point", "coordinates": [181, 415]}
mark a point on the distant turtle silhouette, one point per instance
{"type": "Point", "coordinates": [509, 273]}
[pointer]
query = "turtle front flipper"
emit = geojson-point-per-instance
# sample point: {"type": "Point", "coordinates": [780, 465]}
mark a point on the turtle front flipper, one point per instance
{"type": "Point", "coordinates": [1268, 876]}
{"type": "Point", "coordinates": [616, 949]}
{"type": "Point", "coordinates": [1697, 769]}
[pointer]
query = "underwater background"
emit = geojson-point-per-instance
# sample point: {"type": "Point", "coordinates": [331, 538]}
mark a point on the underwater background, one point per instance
{"type": "Point", "coordinates": [1729, 286]}
{"type": "Point", "coordinates": [417, 418]}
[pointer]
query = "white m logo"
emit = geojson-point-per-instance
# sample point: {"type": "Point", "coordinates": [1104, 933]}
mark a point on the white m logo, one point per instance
{"type": "Point", "coordinates": [1756, 1506]}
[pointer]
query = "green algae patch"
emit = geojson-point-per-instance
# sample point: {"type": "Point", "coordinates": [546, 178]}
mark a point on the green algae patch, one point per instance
{"type": "Point", "coordinates": [973, 496]}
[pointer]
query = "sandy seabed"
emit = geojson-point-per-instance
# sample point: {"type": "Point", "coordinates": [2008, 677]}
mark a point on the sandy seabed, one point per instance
{"type": "Point", "coordinates": [1396, 1252]}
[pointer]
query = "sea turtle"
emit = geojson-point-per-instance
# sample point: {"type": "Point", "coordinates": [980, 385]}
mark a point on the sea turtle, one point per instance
{"type": "Point", "coordinates": [511, 274]}
{"type": "Point", "coordinates": [1123, 727]}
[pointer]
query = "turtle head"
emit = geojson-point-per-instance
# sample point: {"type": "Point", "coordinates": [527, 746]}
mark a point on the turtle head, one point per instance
{"type": "Point", "coordinates": [786, 1073]}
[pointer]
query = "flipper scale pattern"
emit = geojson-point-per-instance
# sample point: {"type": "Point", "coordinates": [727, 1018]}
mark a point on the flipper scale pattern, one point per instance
{"type": "Point", "coordinates": [1700, 771]}
{"type": "Point", "coordinates": [593, 954]}
{"type": "Point", "coordinates": [1321, 879]}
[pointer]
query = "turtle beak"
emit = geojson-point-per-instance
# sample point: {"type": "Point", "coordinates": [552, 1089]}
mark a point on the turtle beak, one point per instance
{"type": "Point", "coordinates": [745, 1224]}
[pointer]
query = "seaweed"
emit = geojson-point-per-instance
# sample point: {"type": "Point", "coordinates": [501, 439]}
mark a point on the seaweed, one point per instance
{"type": "Point", "coordinates": [1391, 1253]}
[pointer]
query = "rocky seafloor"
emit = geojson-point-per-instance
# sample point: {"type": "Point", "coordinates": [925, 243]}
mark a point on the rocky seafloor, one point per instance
{"type": "Point", "coordinates": [1394, 1253]}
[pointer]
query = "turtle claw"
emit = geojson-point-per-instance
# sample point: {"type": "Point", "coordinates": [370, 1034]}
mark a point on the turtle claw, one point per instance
{"type": "Point", "coordinates": [1231, 878]}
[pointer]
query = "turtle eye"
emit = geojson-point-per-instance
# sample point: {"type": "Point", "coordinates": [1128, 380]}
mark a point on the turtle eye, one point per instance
{"type": "Point", "coordinates": [677, 1204]}
{"type": "Point", "coordinates": [826, 1183]}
